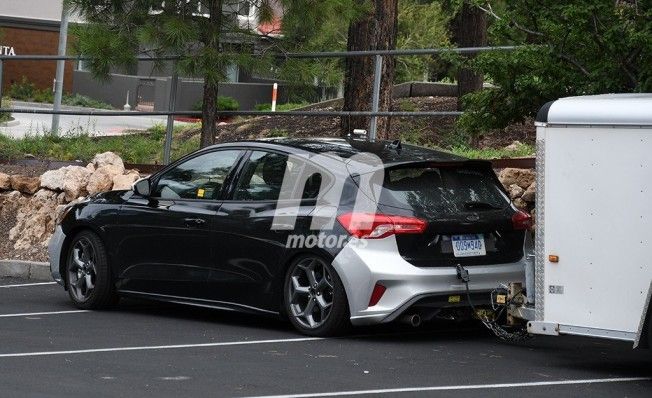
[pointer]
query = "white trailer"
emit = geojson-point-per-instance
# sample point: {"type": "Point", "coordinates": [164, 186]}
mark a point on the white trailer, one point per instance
{"type": "Point", "coordinates": [593, 244]}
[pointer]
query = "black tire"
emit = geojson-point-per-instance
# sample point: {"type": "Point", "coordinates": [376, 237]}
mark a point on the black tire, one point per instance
{"type": "Point", "coordinates": [329, 288]}
{"type": "Point", "coordinates": [88, 276]}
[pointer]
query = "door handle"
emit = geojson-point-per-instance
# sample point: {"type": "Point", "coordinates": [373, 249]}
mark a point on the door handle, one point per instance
{"type": "Point", "coordinates": [194, 222]}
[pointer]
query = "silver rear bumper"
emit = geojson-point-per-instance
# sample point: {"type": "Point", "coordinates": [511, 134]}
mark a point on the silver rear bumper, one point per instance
{"type": "Point", "coordinates": [379, 260]}
{"type": "Point", "coordinates": [54, 250]}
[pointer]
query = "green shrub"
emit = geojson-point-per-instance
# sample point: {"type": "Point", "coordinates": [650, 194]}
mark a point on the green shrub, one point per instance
{"type": "Point", "coordinates": [23, 90]}
{"type": "Point", "coordinates": [46, 96]}
{"type": "Point", "coordinates": [84, 101]}
{"type": "Point", "coordinates": [5, 116]}
{"type": "Point", "coordinates": [224, 103]}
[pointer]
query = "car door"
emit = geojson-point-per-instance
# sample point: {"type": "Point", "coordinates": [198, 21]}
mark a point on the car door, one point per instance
{"type": "Point", "coordinates": [249, 252]}
{"type": "Point", "coordinates": [165, 244]}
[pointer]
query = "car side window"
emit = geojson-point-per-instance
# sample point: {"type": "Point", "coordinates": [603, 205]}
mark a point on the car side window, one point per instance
{"type": "Point", "coordinates": [261, 177]}
{"type": "Point", "coordinates": [201, 177]}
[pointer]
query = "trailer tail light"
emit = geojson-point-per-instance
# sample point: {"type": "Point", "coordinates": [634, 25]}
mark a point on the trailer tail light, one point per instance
{"type": "Point", "coordinates": [521, 220]}
{"type": "Point", "coordinates": [377, 226]}
{"type": "Point", "coordinates": [377, 294]}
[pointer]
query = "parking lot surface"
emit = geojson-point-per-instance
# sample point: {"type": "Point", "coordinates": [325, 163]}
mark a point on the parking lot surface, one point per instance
{"type": "Point", "coordinates": [49, 348]}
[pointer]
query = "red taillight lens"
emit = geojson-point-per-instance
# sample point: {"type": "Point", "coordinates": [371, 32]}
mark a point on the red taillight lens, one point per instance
{"type": "Point", "coordinates": [521, 220]}
{"type": "Point", "coordinates": [376, 295]}
{"type": "Point", "coordinates": [376, 226]}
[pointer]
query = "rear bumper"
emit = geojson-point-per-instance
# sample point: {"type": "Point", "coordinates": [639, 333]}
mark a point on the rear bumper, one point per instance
{"type": "Point", "coordinates": [360, 267]}
{"type": "Point", "coordinates": [54, 250]}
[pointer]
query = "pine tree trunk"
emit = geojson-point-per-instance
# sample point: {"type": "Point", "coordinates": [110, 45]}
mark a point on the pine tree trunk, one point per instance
{"type": "Point", "coordinates": [209, 115]}
{"type": "Point", "coordinates": [374, 31]}
{"type": "Point", "coordinates": [469, 30]}
{"type": "Point", "coordinates": [211, 84]}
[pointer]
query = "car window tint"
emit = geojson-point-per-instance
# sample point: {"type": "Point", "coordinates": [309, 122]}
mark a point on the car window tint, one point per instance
{"type": "Point", "coordinates": [262, 177]}
{"type": "Point", "coordinates": [441, 190]}
{"type": "Point", "coordinates": [201, 177]}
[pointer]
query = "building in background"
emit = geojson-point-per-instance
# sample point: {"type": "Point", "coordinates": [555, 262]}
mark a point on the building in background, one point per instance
{"type": "Point", "coordinates": [31, 27]}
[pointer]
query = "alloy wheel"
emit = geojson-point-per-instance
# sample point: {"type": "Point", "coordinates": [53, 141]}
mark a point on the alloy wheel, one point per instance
{"type": "Point", "coordinates": [310, 291]}
{"type": "Point", "coordinates": [82, 273]}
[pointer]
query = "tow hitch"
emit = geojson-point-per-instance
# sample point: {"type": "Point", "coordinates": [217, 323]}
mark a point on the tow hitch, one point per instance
{"type": "Point", "coordinates": [505, 301]}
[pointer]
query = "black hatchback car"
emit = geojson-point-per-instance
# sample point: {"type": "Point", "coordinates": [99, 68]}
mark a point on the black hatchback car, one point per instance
{"type": "Point", "coordinates": [276, 227]}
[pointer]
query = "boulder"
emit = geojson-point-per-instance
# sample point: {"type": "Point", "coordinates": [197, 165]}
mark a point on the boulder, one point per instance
{"type": "Point", "coordinates": [108, 159]}
{"type": "Point", "coordinates": [515, 191]}
{"type": "Point", "coordinates": [515, 145]}
{"type": "Point", "coordinates": [530, 193]}
{"type": "Point", "coordinates": [508, 176]}
{"type": "Point", "coordinates": [76, 181]}
{"type": "Point", "coordinates": [520, 204]}
{"type": "Point", "coordinates": [35, 221]}
{"type": "Point", "coordinates": [5, 182]}
{"type": "Point", "coordinates": [526, 178]}
{"type": "Point", "coordinates": [25, 184]}
{"type": "Point", "coordinates": [124, 181]}
{"type": "Point", "coordinates": [70, 179]}
{"type": "Point", "coordinates": [102, 179]}
{"type": "Point", "coordinates": [521, 177]}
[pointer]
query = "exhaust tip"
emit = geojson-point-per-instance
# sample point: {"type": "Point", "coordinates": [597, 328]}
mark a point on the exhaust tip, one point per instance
{"type": "Point", "coordinates": [413, 320]}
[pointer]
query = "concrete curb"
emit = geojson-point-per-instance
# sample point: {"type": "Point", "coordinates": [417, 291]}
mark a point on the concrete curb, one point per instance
{"type": "Point", "coordinates": [32, 270]}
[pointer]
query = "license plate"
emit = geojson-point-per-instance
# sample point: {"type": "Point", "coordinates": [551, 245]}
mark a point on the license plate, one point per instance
{"type": "Point", "coordinates": [468, 245]}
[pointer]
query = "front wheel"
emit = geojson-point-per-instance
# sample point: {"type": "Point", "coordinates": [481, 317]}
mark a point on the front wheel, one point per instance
{"type": "Point", "coordinates": [90, 285]}
{"type": "Point", "coordinates": [315, 300]}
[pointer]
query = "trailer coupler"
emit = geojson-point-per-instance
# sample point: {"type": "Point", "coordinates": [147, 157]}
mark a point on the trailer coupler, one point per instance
{"type": "Point", "coordinates": [501, 300]}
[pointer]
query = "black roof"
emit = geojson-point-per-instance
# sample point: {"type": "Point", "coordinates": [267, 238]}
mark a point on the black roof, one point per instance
{"type": "Point", "coordinates": [347, 147]}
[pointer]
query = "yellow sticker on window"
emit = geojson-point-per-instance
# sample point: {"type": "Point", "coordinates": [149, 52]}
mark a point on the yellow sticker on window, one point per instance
{"type": "Point", "coordinates": [454, 299]}
{"type": "Point", "coordinates": [200, 193]}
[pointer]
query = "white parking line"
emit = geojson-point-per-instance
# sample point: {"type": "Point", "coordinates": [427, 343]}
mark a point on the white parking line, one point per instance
{"type": "Point", "coordinates": [462, 387]}
{"type": "Point", "coordinates": [27, 284]}
{"type": "Point", "coordinates": [42, 313]}
{"type": "Point", "coordinates": [159, 347]}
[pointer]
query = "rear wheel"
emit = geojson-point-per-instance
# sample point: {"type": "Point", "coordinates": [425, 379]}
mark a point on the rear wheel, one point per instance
{"type": "Point", "coordinates": [90, 285]}
{"type": "Point", "coordinates": [315, 300]}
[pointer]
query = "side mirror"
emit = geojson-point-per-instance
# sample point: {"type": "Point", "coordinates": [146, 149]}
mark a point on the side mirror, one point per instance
{"type": "Point", "coordinates": [142, 187]}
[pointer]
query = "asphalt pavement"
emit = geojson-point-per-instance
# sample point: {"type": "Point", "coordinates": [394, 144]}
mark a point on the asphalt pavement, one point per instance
{"type": "Point", "coordinates": [49, 348]}
{"type": "Point", "coordinates": [37, 124]}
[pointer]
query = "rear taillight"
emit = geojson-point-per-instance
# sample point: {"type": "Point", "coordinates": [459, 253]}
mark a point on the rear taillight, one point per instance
{"type": "Point", "coordinates": [521, 220]}
{"type": "Point", "coordinates": [376, 226]}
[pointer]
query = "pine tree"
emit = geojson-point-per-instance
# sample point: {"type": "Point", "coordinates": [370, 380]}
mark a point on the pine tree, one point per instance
{"type": "Point", "coordinates": [116, 31]}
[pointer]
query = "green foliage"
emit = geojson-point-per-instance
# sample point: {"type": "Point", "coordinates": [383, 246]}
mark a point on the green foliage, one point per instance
{"type": "Point", "coordinates": [281, 107]}
{"type": "Point", "coordinates": [274, 133]}
{"type": "Point", "coordinates": [27, 91]}
{"type": "Point", "coordinates": [523, 150]}
{"type": "Point", "coordinates": [224, 103]}
{"type": "Point", "coordinates": [575, 47]}
{"type": "Point", "coordinates": [133, 148]}
{"type": "Point", "coordinates": [421, 24]}
{"type": "Point", "coordinates": [5, 116]}
{"type": "Point", "coordinates": [84, 101]}
{"type": "Point", "coordinates": [22, 90]}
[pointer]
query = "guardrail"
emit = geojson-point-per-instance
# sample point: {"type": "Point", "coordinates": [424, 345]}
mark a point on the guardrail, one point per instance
{"type": "Point", "coordinates": [374, 113]}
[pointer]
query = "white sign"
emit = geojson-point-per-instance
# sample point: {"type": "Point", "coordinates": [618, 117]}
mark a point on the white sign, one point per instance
{"type": "Point", "coordinates": [7, 50]}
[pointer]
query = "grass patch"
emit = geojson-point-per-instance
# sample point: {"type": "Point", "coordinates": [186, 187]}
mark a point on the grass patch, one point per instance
{"type": "Point", "coordinates": [133, 148]}
{"type": "Point", "coordinates": [521, 151]}
{"type": "Point", "coordinates": [281, 107]}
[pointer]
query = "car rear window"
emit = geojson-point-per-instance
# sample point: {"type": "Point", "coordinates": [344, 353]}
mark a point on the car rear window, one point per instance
{"type": "Point", "coordinates": [442, 190]}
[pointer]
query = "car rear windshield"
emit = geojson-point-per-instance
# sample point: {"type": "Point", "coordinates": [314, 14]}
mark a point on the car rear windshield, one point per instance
{"type": "Point", "coordinates": [442, 190]}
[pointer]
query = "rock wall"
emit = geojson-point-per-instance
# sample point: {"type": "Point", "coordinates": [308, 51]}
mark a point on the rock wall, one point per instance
{"type": "Point", "coordinates": [37, 202]}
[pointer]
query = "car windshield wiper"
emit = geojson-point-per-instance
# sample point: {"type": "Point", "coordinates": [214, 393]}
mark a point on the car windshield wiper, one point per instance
{"type": "Point", "coordinates": [480, 206]}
